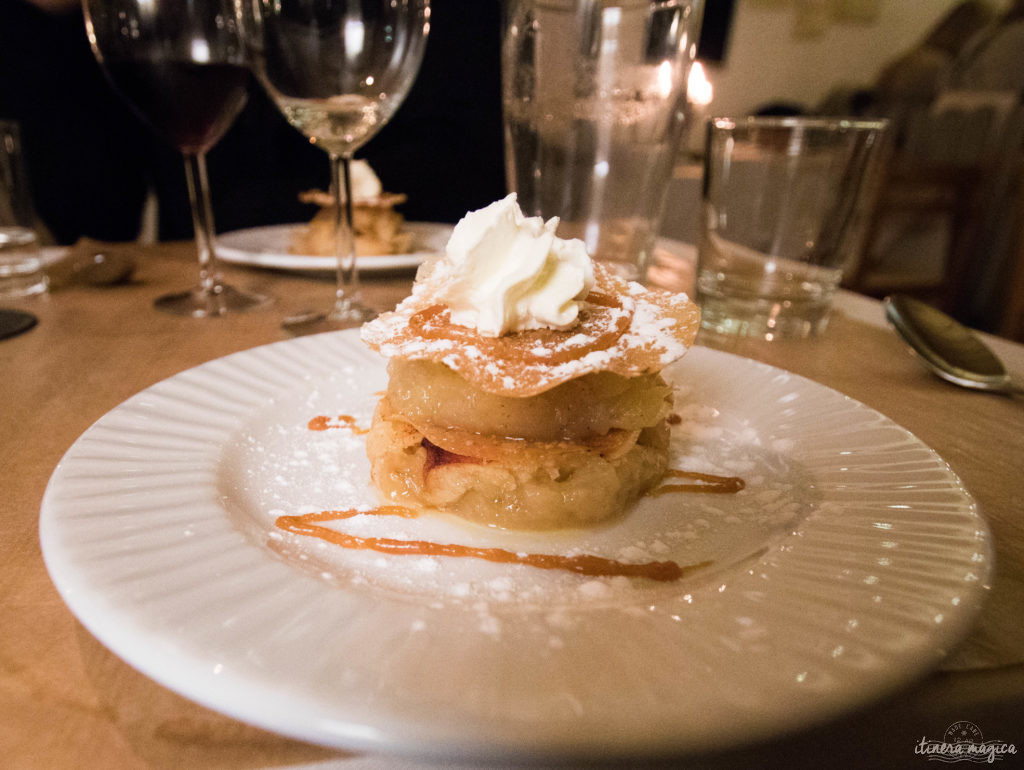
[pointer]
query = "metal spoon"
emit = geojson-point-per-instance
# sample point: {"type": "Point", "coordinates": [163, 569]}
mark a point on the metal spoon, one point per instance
{"type": "Point", "coordinates": [949, 349]}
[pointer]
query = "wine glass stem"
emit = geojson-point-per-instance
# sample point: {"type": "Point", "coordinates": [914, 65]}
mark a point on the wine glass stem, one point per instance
{"type": "Point", "coordinates": [202, 217]}
{"type": "Point", "coordinates": [348, 277]}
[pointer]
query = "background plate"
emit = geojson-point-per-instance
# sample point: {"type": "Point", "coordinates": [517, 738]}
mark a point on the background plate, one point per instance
{"type": "Point", "coordinates": [268, 247]}
{"type": "Point", "coordinates": [849, 565]}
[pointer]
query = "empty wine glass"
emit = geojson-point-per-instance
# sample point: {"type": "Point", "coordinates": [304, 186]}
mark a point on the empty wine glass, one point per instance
{"type": "Point", "coordinates": [338, 70]}
{"type": "Point", "coordinates": [181, 66]}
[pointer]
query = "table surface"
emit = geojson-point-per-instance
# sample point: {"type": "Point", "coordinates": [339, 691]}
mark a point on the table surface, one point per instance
{"type": "Point", "coordinates": [65, 701]}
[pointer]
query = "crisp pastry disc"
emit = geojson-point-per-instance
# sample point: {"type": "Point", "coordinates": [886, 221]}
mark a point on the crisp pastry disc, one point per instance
{"type": "Point", "coordinates": [623, 328]}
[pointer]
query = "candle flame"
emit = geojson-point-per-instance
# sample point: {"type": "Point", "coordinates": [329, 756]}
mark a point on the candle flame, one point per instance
{"type": "Point", "coordinates": [698, 87]}
{"type": "Point", "coordinates": [665, 78]}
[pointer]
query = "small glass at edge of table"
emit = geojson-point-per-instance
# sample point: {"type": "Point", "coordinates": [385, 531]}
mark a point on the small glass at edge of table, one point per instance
{"type": "Point", "coordinates": [21, 267]}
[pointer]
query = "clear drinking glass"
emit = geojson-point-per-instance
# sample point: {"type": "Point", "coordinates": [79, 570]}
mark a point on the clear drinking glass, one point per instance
{"type": "Point", "coordinates": [594, 99]}
{"type": "Point", "coordinates": [784, 208]}
{"type": "Point", "coordinates": [181, 66]}
{"type": "Point", "coordinates": [21, 267]}
{"type": "Point", "coordinates": [338, 70]}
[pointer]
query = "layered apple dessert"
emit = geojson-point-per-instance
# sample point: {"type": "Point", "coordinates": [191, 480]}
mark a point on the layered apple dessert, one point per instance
{"type": "Point", "coordinates": [379, 229]}
{"type": "Point", "coordinates": [525, 386]}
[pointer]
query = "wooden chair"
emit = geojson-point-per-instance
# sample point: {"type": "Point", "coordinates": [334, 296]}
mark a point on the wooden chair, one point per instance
{"type": "Point", "coordinates": [952, 170]}
{"type": "Point", "coordinates": [1011, 322]}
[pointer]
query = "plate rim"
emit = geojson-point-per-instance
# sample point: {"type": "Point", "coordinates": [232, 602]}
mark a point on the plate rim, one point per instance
{"type": "Point", "coordinates": [414, 744]}
{"type": "Point", "coordinates": [232, 253]}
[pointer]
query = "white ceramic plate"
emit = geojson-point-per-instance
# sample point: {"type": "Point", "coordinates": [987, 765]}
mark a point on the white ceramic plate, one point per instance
{"type": "Point", "coordinates": [268, 247]}
{"type": "Point", "coordinates": [851, 563]}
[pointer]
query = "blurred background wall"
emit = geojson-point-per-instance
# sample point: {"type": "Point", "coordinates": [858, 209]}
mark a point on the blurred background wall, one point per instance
{"type": "Point", "coordinates": [798, 50]}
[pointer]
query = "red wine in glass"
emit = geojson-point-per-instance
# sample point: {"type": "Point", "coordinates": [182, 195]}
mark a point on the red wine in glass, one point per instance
{"type": "Point", "coordinates": [181, 67]}
{"type": "Point", "coordinates": [190, 105]}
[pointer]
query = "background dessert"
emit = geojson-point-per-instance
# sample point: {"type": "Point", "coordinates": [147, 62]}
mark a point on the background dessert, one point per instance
{"type": "Point", "coordinates": [378, 226]}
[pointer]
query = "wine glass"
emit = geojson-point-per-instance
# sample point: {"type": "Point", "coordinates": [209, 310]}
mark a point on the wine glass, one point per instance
{"type": "Point", "coordinates": [181, 66]}
{"type": "Point", "coordinates": [338, 70]}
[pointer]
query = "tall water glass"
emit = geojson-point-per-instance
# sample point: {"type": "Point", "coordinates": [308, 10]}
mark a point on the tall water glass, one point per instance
{"type": "Point", "coordinates": [594, 96]}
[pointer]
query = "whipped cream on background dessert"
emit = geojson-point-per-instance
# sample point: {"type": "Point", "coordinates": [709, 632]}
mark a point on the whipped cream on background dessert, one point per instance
{"type": "Point", "coordinates": [366, 186]}
{"type": "Point", "coordinates": [505, 272]}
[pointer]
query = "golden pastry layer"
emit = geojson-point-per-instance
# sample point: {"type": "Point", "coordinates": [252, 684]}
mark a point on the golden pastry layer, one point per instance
{"type": "Point", "coordinates": [513, 483]}
{"type": "Point", "coordinates": [574, 455]}
{"type": "Point", "coordinates": [431, 394]}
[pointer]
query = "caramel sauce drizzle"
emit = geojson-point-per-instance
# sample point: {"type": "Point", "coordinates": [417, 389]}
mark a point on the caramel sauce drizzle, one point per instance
{"type": "Point", "coordinates": [347, 421]}
{"type": "Point", "coordinates": [708, 484]}
{"type": "Point", "coordinates": [309, 524]}
{"type": "Point", "coordinates": [435, 322]}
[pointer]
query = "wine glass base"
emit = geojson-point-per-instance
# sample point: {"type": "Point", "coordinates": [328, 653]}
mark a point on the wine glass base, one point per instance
{"type": "Point", "coordinates": [202, 303]}
{"type": "Point", "coordinates": [345, 315]}
{"type": "Point", "coordinates": [350, 312]}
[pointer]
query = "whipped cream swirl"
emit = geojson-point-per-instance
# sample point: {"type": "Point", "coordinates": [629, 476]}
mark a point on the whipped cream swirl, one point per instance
{"type": "Point", "coordinates": [366, 186]}
{"type": "Point", "coordinates": [505, 272]}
